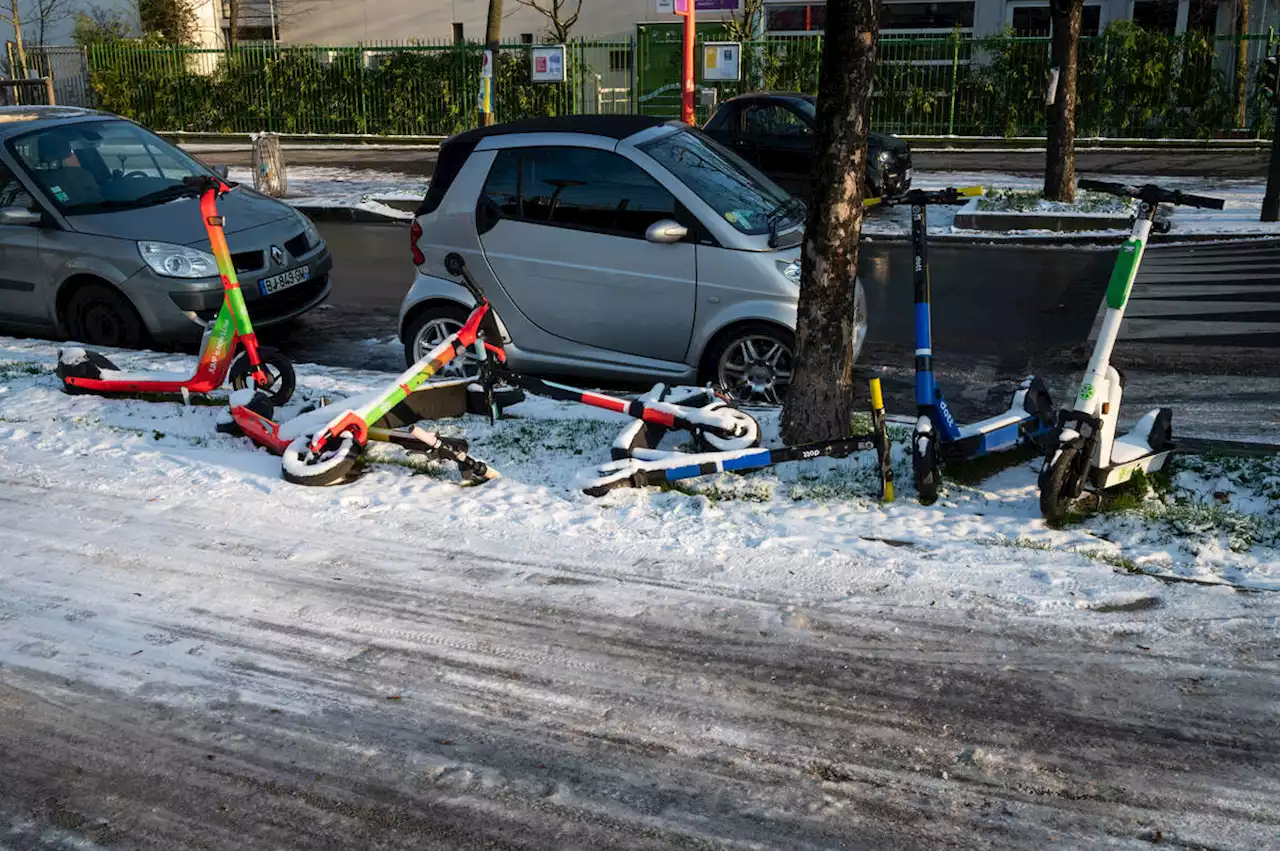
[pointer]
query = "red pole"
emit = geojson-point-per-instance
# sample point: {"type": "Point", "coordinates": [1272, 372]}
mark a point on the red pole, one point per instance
{"type": "Point", "coordinates": [687, 91]}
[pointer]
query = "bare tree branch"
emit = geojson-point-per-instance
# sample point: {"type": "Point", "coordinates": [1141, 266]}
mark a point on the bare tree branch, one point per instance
{"type": "Point", "coordinates": [559, 26]}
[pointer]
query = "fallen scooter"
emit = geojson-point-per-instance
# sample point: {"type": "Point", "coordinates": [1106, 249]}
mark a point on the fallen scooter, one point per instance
{"type": "Point", "coordinates": [328, 455]}
{"type": "Point", "coordinates": [938, 439]}
{"type": "Point", "coordinates": [230, 332]}
{"type": "Point", "coordinates": [1085, 450]}
{"type": "Point", "coordinates": [647, 466]}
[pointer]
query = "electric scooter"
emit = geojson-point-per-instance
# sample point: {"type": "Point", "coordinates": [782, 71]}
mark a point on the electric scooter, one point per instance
{"type": "Point", "coordinates": [1085, 450]}
{"type": "Point", "coordinates": [265, 368]}
{"type": "Point", "coordinates": [648, 466]}
{"type": "Point", "coordinates": [330, 454]}
{"type": "Point", "coordinates": [938, 439]}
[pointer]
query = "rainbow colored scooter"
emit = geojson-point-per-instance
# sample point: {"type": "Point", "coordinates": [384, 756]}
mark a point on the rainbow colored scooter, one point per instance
{"type": "Point", "coordinates": [229, 347]}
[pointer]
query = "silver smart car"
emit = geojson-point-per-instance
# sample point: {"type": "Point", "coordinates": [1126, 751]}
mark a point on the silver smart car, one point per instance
{"type": "Point", "coordinates": [623, 248]}
{"type": "Point", "coordinates": [100, 241]}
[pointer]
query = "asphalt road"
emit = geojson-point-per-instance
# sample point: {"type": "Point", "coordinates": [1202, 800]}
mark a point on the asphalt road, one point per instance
{"type": "Point", "coordinates": [422, 161]}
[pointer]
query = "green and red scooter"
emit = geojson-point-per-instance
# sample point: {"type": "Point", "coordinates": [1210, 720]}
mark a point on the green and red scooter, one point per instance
{"type": "Point", "coordinates": [229, 348]}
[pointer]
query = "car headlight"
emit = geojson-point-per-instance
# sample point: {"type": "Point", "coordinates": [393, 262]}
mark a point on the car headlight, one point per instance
{"type": "Point", "coordinates": [178, 261]}
{"type": "Point", "coordinates": [309, 230]}
{"type": "Point", "coordinates": [790, 270]}
{"type": "Point", "coordinates": [883, 156]}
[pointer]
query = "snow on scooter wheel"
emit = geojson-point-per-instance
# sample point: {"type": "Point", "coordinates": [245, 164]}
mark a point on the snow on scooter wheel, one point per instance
{"type": "Point", "coordinates": [279, 372]}
{"type": "Point", "coordinates": [1062, 483]}
{"type": "Point", "coordinates": [924, 464]}
{"type": "Point", "coordinates": [746, 426]}
{"type": "Point", "coordinates": [332, 466]}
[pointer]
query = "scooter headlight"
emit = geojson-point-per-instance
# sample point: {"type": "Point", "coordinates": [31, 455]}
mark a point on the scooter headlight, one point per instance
{"type": "Point", "coordinates": [790, 270]}
{"type": "Point", "coordinates": [178, 261]}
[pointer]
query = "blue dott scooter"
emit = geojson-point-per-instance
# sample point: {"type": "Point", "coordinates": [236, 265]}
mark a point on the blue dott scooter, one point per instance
{"type": "Point", "coordinates": [938, 438]}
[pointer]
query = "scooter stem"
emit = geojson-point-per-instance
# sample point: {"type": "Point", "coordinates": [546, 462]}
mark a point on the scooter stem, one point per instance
{"type": "Point", "coordinates": [1123, 274]}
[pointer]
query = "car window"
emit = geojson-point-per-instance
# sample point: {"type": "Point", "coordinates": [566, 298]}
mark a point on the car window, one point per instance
{"type": "Point", "coordinates": [102, 164]}
{"type": "Point", "coordinates": [13, 193]}
{"type": "Point", "coordinates": [739, 193]}
{"type": "Point", "coordinates": [775, 120]}
{"type": "Point", "coordinates": [580, 188]}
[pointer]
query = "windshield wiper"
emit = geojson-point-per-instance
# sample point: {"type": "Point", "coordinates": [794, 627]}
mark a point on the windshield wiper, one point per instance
{"type": "Point", "coordinates": [168, 193]}
{"type": "Point", "coordinates": [792, 204]}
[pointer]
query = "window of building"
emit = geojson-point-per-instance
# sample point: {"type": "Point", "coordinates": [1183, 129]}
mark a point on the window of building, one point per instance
{"type": "Point", "coordinates": [796, 17]}
{"type": "Point", "coordinates": [1026, 20]}
{"type": "Point", "coordinates": [526, 38]}
{"type": "Point", "coordinates": [926, 16]}
{"type": "Point", "coordinates": [577, 188]}
{"type": "Point", "coordinates": [1160, 16]}
{"type": "Point", "coordinates": [457, 33]}
{"type": "Point", "coordinates": [620, 60]}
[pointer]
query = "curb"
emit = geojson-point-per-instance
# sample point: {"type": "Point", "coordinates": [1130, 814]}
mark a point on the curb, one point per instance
{"type": "Point", "coordinates": [1065, 240]}
{"type": "Point", "coordinates": [353, 215]}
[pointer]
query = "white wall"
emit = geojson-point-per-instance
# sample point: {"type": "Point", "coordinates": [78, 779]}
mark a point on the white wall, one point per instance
{"type": "Point", "coordinates": [345, 22]}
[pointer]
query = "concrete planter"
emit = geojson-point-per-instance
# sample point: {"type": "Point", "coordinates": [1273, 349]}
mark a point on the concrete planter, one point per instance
{"type": "Point", "coordinates": [969, 217]}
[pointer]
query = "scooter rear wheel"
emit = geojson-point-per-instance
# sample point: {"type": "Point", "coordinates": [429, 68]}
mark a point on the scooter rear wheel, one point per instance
{"type": "Point", "coordinates": [1063, 484]}
{"type": "Point", "coordinates": [746, 425]}
{"type": "Point", "coordinates": [334, 464]}
{"type": "Point", "coordinates": [279, 369]}
{"type": "Point", "coordinates": [924, 464]}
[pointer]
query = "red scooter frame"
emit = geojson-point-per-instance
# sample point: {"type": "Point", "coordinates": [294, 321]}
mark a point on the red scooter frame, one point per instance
{"type": "Point", "coordinates": [89, 372]}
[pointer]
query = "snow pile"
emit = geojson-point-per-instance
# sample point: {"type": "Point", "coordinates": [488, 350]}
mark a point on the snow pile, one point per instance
{"type": "Point", "coordinates": [1006, 200]}
{"type": "Point", "coordinates": [363, 189]}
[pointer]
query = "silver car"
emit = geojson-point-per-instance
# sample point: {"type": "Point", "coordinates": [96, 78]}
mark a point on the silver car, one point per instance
{"type": "Point", "coordinates": [622, 248]}
{"type": "Point", "coordinates": [100, 242]}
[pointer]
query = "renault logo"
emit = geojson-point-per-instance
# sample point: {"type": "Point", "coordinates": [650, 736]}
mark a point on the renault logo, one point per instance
{"type": "Point", "coordinates": [277, 255]}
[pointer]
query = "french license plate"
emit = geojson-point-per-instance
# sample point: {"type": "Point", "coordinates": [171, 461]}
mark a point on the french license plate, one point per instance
{"type": "Point", "coordinates": [284, 280]}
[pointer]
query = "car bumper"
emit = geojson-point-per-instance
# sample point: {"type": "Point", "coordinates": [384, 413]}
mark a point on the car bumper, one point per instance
{"type": "Point", "coordinates": [171, 319]}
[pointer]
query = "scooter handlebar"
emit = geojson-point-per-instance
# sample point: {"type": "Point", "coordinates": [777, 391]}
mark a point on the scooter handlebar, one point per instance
{"type": "Point", "coordinates": [205, 182]}
{"type": "Point", "coordinates": [1152, 194]}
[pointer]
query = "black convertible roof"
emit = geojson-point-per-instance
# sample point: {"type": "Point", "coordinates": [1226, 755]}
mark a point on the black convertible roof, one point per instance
{"type": "Point", "coordinates": [612, 126]}
{"type": "Point", "coordinates": [455, 150]}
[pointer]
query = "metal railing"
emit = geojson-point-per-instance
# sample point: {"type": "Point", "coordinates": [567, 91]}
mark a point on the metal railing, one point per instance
{"type": "Point", "coordinates": [1132, 84]}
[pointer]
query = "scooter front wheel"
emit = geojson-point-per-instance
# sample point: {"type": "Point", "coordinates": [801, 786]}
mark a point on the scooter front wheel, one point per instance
{"type": "Point", "coordinates": [924, 464]}
{"type": "Point", "coordinates": [281, 379]}
{"type": "Point", "coordinates": [1063, 483]}
{"type": "Point", "coordinates": [748, 433]}
{"type": "Point", "coordinates": [331, 466]}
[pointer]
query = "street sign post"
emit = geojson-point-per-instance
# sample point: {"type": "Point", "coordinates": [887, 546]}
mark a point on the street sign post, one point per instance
{"type": "Point", "coordinates": [687, 9]}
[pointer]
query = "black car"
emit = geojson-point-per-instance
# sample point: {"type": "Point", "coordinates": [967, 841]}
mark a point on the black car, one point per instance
{"type": "Point", "coordinates": [774, 132]}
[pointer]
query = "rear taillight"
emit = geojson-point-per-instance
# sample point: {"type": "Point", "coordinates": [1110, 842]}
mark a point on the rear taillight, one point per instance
{"type": "Point", "coordinates": [415, 233]}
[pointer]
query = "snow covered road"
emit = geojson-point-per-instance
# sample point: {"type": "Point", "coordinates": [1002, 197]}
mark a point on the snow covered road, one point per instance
{"type": "Point", "coordinates": [234, 685]}
{"type": "Point", "coordinates": [194, 653]}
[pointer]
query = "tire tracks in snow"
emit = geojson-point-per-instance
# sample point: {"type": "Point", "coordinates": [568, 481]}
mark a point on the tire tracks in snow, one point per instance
{"type": "Point", "coordinates": [374, 691]}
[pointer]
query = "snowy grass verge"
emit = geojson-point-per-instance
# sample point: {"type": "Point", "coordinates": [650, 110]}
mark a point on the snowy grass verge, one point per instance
{"type": "Point", "coordinates": [812, 529]}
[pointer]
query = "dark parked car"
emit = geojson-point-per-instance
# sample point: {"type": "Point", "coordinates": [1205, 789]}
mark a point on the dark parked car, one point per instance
{"type": "Point", "coordinates": [774, 132]}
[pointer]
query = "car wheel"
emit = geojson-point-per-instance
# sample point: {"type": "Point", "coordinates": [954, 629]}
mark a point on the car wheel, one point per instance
{"type": "Point", "coordinates": [100, 316]}
{"type": "Point", "coordinates": [754, 363]}
{"type": "Point", "coordinates": [432, 327]}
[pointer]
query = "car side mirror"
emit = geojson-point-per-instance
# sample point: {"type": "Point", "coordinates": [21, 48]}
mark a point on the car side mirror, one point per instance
{"type": "Point", "coordinates": [221, 170]}
{"type": "Point", "coordinates": [19, 216]}
{"type": "Point", "coordinates": [666, 231]}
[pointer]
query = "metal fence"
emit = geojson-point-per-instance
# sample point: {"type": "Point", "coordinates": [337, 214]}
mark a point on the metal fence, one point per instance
{"type": "Point", "coordinates": [1131, 84]}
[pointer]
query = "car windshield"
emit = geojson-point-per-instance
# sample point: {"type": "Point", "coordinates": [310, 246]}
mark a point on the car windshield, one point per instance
{"type": "Point", "coordinates": [92, 166]}
{"type": "Point", "coordinates": [735, 190]}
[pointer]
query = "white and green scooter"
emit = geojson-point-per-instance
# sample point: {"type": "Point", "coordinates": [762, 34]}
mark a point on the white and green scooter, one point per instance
{"type": "Point", "coordinates": [1086, 450]}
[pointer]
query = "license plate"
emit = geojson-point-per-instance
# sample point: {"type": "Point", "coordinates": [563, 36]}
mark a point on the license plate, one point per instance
{"type": "Point", "coordinates": [284, 280]}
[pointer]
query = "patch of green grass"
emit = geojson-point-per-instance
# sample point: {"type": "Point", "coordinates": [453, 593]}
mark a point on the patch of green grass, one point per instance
{"type": "Point", "coordinates": [739, 488]}
{"type": "Point", "coordinates": [533, 438]}
{"type": "Point", "coordinates": [846, 482]}
{"type": "Point", "coordinates": [21, 368]}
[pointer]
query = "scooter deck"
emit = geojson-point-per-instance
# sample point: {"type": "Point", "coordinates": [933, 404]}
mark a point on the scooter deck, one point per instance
{"type": "Point", "coordinates": [1117, 474]}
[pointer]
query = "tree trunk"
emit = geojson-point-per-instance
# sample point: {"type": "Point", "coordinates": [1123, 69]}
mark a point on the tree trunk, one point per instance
{"type": "Point", "coordinates": [1060, 152]}
{"type": "Point", "coordinates": [20, 73]}
{"type": "Point", "coordinates": [1242, 61]}
{"type": "Point", "coordinates": [492, 38]}
{"type": "Point", "coordinates": [1271, 200]}
{"type": "Point", "coordinates": [819, 403]}
{"type": "Point", "coordinates": [233, 23]}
